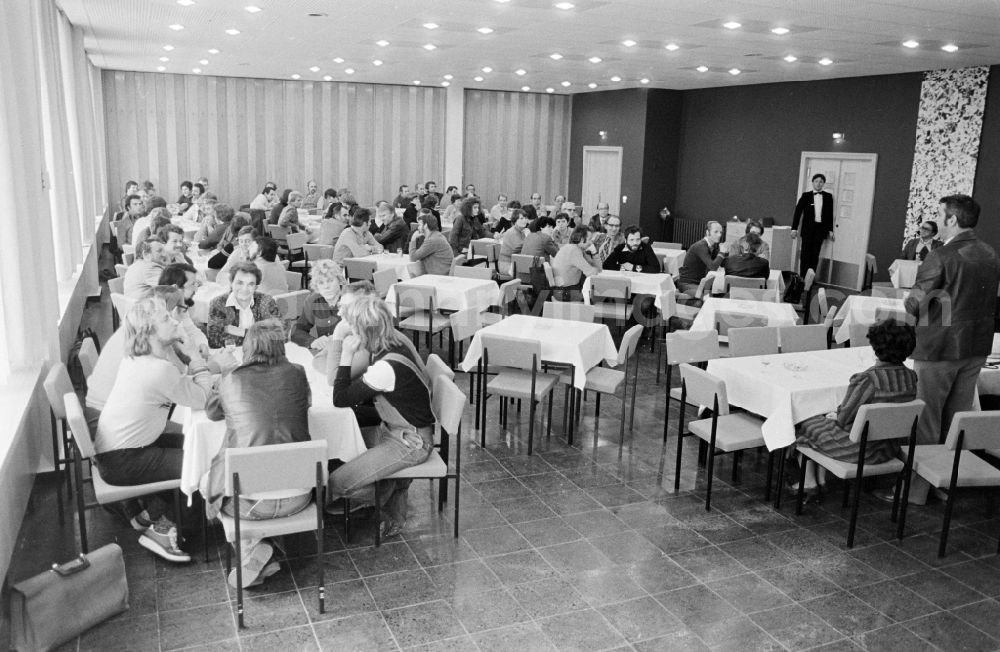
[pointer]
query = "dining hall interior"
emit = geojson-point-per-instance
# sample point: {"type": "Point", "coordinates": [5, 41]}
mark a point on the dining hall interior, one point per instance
{"type": "Point", "coordinates": [618, 441]}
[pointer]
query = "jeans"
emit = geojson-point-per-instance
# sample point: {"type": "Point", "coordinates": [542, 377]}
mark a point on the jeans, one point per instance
{"type": "Point", "coordinates": [355, 479]}
{"type": "Point", "coordinates": [160, 461]}
{"type": "Point", "coordinates": [264, 510]}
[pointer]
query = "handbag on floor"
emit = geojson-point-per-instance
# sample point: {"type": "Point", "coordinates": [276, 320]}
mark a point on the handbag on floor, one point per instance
{"type": "Point", "coordinates": [56, 606]}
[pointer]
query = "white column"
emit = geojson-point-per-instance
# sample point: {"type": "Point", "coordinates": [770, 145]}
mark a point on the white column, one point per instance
{"type": "Point", "coordinates": [454, 136]}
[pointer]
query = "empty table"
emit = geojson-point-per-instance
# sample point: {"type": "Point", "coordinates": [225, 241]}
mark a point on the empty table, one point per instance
{"type": "Point", "coordinates": [777, 314]}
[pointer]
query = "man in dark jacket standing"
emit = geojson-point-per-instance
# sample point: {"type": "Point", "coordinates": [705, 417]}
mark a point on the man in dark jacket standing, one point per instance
{"type": "Point", "coordinates": [953, 300]}
{"type": "Point", "coordinates": [815, 210]}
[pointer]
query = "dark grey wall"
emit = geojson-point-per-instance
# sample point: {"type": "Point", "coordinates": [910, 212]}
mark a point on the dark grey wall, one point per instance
{"type": "Point", "coordinates": [987, 191]}
{"type": "Point", "coordinates": [662, 149]}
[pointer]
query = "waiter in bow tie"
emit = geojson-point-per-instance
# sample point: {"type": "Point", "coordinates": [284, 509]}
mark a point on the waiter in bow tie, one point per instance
{"type": "Point", "coordinates": [815, 212]}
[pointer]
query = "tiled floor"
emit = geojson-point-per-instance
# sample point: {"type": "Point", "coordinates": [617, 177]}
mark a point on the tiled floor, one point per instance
{"type": "Point", "coordinates": [577, 548]}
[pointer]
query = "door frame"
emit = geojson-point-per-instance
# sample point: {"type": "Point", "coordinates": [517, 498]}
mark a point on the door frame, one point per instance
{"type": "Point", "coordinates": [804, 182]}
{"type": "Point", "coordinates": [583, 169]}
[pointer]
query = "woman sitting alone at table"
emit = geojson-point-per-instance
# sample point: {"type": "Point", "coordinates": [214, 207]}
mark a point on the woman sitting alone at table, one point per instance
{"type": "Point", "coordinates": [748, 262]}
{"type": "Point", "coordinates": [887, 381]}
{"type": "Point", "coordinates": [319, 312]}
{"type": "Point", "coordinates": [398, 384]}
{"type": "Point", "coordinates": [264, 401]}
{"type": "Point", "coordinates": [231, 314]}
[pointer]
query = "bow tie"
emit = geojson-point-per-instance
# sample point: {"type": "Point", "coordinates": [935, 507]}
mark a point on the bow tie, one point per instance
{"type": "Point", "coordinates": [817, 192]}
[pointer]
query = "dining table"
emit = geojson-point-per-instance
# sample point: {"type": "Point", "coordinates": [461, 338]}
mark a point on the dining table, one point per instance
{"type": "Point", "coordinates": [656, 285]}
{"type": "Point", "coordinates": [777, 314]}
{"type": "Point", "coordinates": [775, 281]}
{"type": "Point", "coordinates": [454, 292]}
{"type": "Point", "coordinates": [405, 268]}
{"type": "Point", "coordinates": [859, 309]}
{"type": "Point", "coordinates": [903, 273]}
{"type": "Point", "coordinates": [671, 259]}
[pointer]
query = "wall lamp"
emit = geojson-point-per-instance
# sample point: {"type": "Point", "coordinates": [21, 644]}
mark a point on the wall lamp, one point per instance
{"type": "Point", "coordinates": [838, 137]}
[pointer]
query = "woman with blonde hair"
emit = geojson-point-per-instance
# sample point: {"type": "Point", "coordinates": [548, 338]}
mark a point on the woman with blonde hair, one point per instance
{"type": "Point", "coordinates": [397, 383]}
{"type": "Point", "coordinates": [319, 313]}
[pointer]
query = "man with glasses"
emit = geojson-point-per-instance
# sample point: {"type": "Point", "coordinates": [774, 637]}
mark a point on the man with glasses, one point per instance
{"type": "Point", "coordinates": [926, 242]}
{"type": "Point", "coordinates": [611, 239]}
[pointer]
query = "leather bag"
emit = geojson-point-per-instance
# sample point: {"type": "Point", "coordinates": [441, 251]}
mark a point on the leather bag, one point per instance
{"type": "Point", "coordinates": [56, 606]}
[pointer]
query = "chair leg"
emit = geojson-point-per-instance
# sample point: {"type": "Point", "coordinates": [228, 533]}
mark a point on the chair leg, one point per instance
{"type": "Point", "coordinates": [531, 425]}
{"type": "Point", "coordinates": [802, 486]}
{"type": "Point", "coordinates": [737, 459]}
{"type": "Point", "coordinates": [378, 515]}
{"type": "Point", "coordinates": [677, 466]}
{"type": "Point", "coordinates": [847, 495]}
{"type": "Point", "coordinates": [621, 427]}
{"type": "Point", "coordinates": [204, 530]}
{"type": "Point", "coordinates": [711, 473]}
{"type": "Point", "coordinates": [457, 483]}
{"type": "Point", "coordinates": [347, 519]}
{"type": "Point", "coordinates": [946, 525]}
{"type": "Point", "coordinates": [597, 405]}
{"type": "Point", "coordinates": [548, 431]}
{"type": "Point", "coordinates": [852, 526]}
{"type": "Point", "coordinates": [770, 476]}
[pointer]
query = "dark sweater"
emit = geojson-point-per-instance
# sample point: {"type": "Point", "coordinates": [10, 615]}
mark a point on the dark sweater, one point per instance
{"type": "Point", "coordinates": [699, 261]}
{"type": "Point", "coordinates": [642, 259]}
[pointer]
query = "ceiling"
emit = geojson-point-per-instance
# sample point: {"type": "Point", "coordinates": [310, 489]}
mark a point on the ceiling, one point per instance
{"type": "Point", "coordinates": [860, 37]}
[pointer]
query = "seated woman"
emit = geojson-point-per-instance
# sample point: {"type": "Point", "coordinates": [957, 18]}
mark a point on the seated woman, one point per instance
{"type": "Point", "coordinates": [135, 443]}
{"type": "Point", "coordinates": [274, 277]}
{"type": "Point", "coordinates": [887, 381]}
{"type": "Point", "coordinates": [398, 384]}
{"type": "Point", "coordinates": [319, 312]}
{"type": "Point", "coordinates": [748, 262]}
{"type": "Point", "coordinates": [227, 242]}
{"type": "Point", "coordinates": [231, 314]}
{"type": "Point", "coordinates": [289, 219]}
{"type": "Point", "coordinates": [754, 227]}
{"type": "Point", "coordinates": [264, 401]}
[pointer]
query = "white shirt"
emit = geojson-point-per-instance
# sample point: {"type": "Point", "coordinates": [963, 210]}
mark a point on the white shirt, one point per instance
{"type": "Point", "coordinates": [246, 314]}
{"type": "Point", "coordinates": [818, 206]}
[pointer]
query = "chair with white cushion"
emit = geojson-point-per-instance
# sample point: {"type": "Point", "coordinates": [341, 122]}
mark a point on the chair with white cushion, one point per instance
{"type": "Point", "coordinates": [481, 273]}
{"type": "Point", "coordinates": [755, 340]}
{"type": "Point", "coordinates": [812, 337]}
{"type": "Point", "coordinates": [57, 384]}
{"type": "Point", "coordinates": [88, 355]}
{"type": "Point", "coordinates": [680, 347]}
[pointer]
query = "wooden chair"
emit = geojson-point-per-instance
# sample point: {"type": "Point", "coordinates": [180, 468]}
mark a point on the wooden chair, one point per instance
{"type": "Point", "coordinates": [723, 432]}
{"type": "Point", "coordinates": [859, 334]}
{"type": "Point", "coordinates": [293, 281]}
{"type": "Point", "coordinates": [357, 269]}
{"type": "Point", "coordinates": [290, 304]}
{"type": "Point", "coordinates": [684, 347]}
{"type": "Point", "coordinates": [57, 384]}
{"type": "Point", "coordinates": [521, 267]}
{"type": "Point", "coordinates": [120, 305]}
{"type": "Point", "coordinates": [874, 422]}
{"type": "Point", "coordinates": [753, 340]}
{"type": "Point", "coordinates": [510, 292]}
{"type": "Point", "coordinates": [276, 467]}
{"type": "Point", "coordinates": [464, 324]}
{"type": "Point", "coordinates": [88, 355]}
{"type": "Point", "coordinates": [813, 337]}
{"type": "Point", "coordinates": [121, 269]}
{"type": "Point", "coordinates": [482, 273]}
{"type": "Point", "coordinates": [296, 254]}
{"type": "Point", "coordinates": [436, 367]}
{"type": "Point", "coordinates": [280, 235]}
{"type": "Point", "coordinates": [889, 292]}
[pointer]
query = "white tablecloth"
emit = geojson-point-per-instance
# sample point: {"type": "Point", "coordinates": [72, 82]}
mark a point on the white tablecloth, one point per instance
{"type": "Point", "coordinates": [202, 298]}
{"type": "Point", "coordinates": [203, 438]}
{"type": "Point", "coordinates": [582, 345]}
{"type": "Point", "coordinates": [903, 273]}
{"type": "Point", "coordinates": [788, 388]}
{"type": "Point", "coordinates": [405, 268]}
{"type": "Point", "coordinates": [775, 281]}
{"type": "Point", "coordinates": [190, 227]}
{"type": "Point", "coordinates": [778, 314]}
{"type": "Point", "coordinates": [652, 284]}
{"type": "Point", "coordinates": [671, 259]}
{"type": "Point", "coordinates": [454, 292]}
{"type": "Point", "coordinates": [859, 309]}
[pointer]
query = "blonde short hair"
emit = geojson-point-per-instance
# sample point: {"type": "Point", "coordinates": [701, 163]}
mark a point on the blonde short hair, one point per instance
{"type": "Point", "coordinates": [371, 321]}
{"type": "Point", "coordinates": [140, 325]}
{"type": "Point", "coordinates": [326, 270]}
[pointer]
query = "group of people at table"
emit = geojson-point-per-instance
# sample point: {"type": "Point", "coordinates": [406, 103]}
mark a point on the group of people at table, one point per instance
{"type": "Point", "coordinates": [160, 358]}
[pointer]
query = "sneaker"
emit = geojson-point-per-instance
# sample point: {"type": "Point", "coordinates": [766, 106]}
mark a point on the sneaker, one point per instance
{"type": "Point", "coordinates": [161, 539]}
{"type": "Point", "coordinates": [255, 566]}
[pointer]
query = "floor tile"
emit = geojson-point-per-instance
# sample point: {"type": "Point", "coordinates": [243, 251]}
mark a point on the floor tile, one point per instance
{"type": "Point", "coordinates": [895, 638]}
{"type": "Point", "coordinates": [191, 590]}
{"type": "Point", "coordinates": [977, 574]}
{"type": "Point", "coordinates": [847, 613]}
{"type": "Point", "coordinates": [894, 600]}
{"type": "Point", "coordinates": [749, 593]}
{"type": "Point", "coordinates": [362, 633]}
{"type": "Point", "coordinates": [682, 639]}
{"type": "Point", "coordinates": [944, 591]}
{"type": "Point", "coordinates": [641, 619]}
{"type": "Point", "coordinates": [843, 570]}
{"type": "Point", "coordinates": [296, 638]}
{"type": "Point", "coordinates": [950, 633]}
{"type": "Point", "coordinates": [674, 538]}
{"type": "Point", "coordinates": [548, 597]}
{"type": "Point", "coordinates": [697, 606]}
{"type": "Point", "coordinates": [402, 589]}
{"type": "Point", "coordinates": [708, 564]}
{"type": "Point", "coordinates": [606, 585]}
{"type": "Point", "coordinates": [523, 637]}
{"type": "Point", "coordinates": [570, 502]}
{"type": "Point", "coordinates": [463, 577]}
{"type": "Point", "coordinates": [547, 532]}
{"type": "Point", "coordinates": [795, 627]}
{"type": "Point", "coordinates": [983, 615]}
{"type": "Point", "coordinates": [627, 547]}
{"type": "Point", "coordinates": [496, 540]}
{"type": "Point", "coordinates": [434, 550]}
{"type": "Point", "coordinates": [523, 509]}
{"type": "Point", "coordinates": [342, 599]}
{"type": "Point", "coordinates": [888, 559]}
{"type": "Point", "coordinates": [123, 635]}
{"type": "Point", "coordinates": [595, 523]}
{"type": "Point", "coordinates": [518, 567]}
{"type": "Point", "coordinates": [574, 557]}
{"type": "Point", "coordinates": [187, 627]}
{"type": "Point", "coordinates": [387, 558]}
{"type": "Point", "coordinates": [423, 623]}
{"type": "Point", "coordinates": [798, 582]}
{"type": "Point", "coordinates": [580, 631]}
{"type": "Point", "coordinates": [659, 575]}
{"type": "Point", "coordinates": [487, 610]}
{"type": "Point", "coordinates": [275, 611]}
{"type": "Point", "coordinates": [756, 553]}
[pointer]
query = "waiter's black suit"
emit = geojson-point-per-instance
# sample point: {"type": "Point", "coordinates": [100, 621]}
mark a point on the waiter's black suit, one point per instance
{"type": "Point", "coordinates": [813, 232]}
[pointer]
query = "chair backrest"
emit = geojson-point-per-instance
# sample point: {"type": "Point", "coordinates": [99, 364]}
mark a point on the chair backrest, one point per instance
{"type": "Point", "coordinates": [692, 346]}
{"type": "Point", "coordinates": [550, 274]}
{"type": "Point", "coordinates": [630, 343]}
{"type": "Point", "coordinates": [886, 420]}
{"type": "Point", "coordinates": [889, 292]}
{"type": "Point", "coordinates": [901, 316]}
{"type": "Point", "coordinates": [610, 288]}
{"type": "Point", "coordinates": [57, 384]}
{"type": "Point", "coordinates": [703, 388]}
{"type": "Point", "coordinates": [87, 354]}
{"type": "Point", "coordinates": [297, 241]}
{"type": "Point", "coordinates": [458, 261]}
{"type": "Point", "coordinates": [822, 301]}
{"type": "Point", "coordinates": [508, 294]}
{"type": "Point", "coordinates": [482, 273]}
{"type": "Point", "coordinates": [418, 297]}
{"type": "Point", "coordinates": [744, 282]}
{"type": "Point", "coordinates": [277, 467]}
{"type": "Point", "coordinates": [981, 430]}
{"type": "Point", "coordinates": [724, 320]}
{"type": "Point", "coordinates": [465, 323]}
{"type": "Point", "coordinates": [121, 303]}
{"type": "Point", "coordinates": [831, 316]}
{"type": "Point", "coordinates": [703, 285]}
{"type": "Point", "coordinates": [489, 250]}
{"type": "Point", "coordinates": [448, 402]}
{"type": "Point", "coordinates": [128, 250]}
{"type": "Point", "coordinates": [116, 285]}
{"type": "Point", "coordinates": [754, 340]}
{"type": "Point", "coordinates": [569, 310]}
{"type": "Point", "coordinates": [290, 303]}
{"type": "Point", "coordinates": [754, 294]}
{"type": "Point", "coordinates": [668, 245]}
{"type": "Point", "coordinates": [522, 265]}
{"type": "Point", "coordinates": [811, 337]}
{"type": "Point", "coordinates": [359, 270]}
{"type": "Point", "coordinates": [128, 258]}
{"type": "Point", "coordinates": [318, 251]}
{"type": "Point", "coordinates": [515, 352]}
{"type": "Point", "coordinates": [859, 334]}
{"type": "Point", "coordinates": [383, 279]}
{"type": "Point", "coordinates": [293, 280]}
{"type": "Point", "coordinates": [279, 233]}
{"type": "Point", "coordinates": [436, 367]}
{"type": "Point", "coordinates": [78, 427]}
{"type": "Point", "coordinates": [121, 269]}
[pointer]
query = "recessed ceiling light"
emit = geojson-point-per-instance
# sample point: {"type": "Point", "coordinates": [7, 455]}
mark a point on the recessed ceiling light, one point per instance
{"type": "Point", "coordinates": [176, 27]}
{"type": "Point", "coordinates": [185, 3]}
{"type": "Point", "coordinates": [565, 6]}
{"type": "Point", "coordinates": [446, 84]}
{"type": "Point", "coordinates": [591, 85]}
{"type": "Point", "coordinates": [565, 84]}
{"type": "Point", "coordinates": [430, 46]}
{"type": "Point", "coordinates": [196, 71]}
{"type": "Point", "coordinates": [338, 60]}
{"type": "Point", "coordinates": [791, 58]}
{"type": "Point", "coordinates": [672, 47]}
{"type": "Point", "coordinates": [213, 51]}
{"type": "Point", "coordinates": [327, 78]}
{"type": "Point", "coordinates": [314, 69]}
{"type": "Point", "coordinates": [233, 32]}
{"type": "Point", "coordinates": [780, 31]}
{"type": "Point", "coordinates": [644, 80]}
{"type": "Point", "coordinates": [382, 43]}
{"type": "Point", "coordinates": [487, 69]}
{"type": "Point", "coordinates": [164, 59]}
{"type": "Point", "coordinates": [702, 68]}
{"type": "Point", "coordinates": [825, 61]}
{"type": "Point", "coordinates": [734, 71]}
{"type": "Point", "coordinates": [204, 62]}
{"type": "Point", "coordinates": [616, 79]}
{"type": "Point", "coordinates": [416, 82]}
{"type": "Point", "coordinates": [296, 76]}
{"type": "Point", "coordinates": [949, 47]}
{"type": "Point", "coordinates": [431, 25]}
{"type": "Point", "coordinates": [478, 78]}
{"type": "Point", "coordinates": [349, 71]}
{"type": "Point", "coordinates": [555, 56]}
{"type": "Point", "coordinates": [485, 30]}
{"type": "Point", "coordinates": [595, 59]}
{"type": "Point", "coordinates": [550, 90]}
{"type": "Point", "coordinates": [449, 77]}
{"type": "Point", "coordinates": [503, 2]}
{"type": "Point", "coordinates": [377, 62]}
{"type": "Point", "coordinates": [526, 88]}
{"type": "Point", "coordinates": [732, 25]}
{"type": "Point", "coordinates": [628, 43]}
{"type": "Point", "coordinates": [911, 44]}
{"type": "Point", "coordinates": [161, 68]}
{"type": "Point", "coordinates": [520, 72]}
{"type": "Point", "coordinates": [168, 48]}
{"type": "Point", "coordinates": [252, 9]}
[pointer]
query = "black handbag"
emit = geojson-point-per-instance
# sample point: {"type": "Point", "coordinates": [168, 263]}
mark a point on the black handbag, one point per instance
{"type": "Point", "coordinates": [60, 604]}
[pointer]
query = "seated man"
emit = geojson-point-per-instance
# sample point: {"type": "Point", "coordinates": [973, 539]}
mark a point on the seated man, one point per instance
{"type": "Point", "coordinates": [124, 223]}
{"type": "Point", "coordinates": [357, 241]}
{"type": "Point", "coordinates": [574, 262]}
{"type": "Point", "coordinates": [266, 199]}
{"type": "Point", "coordinates": [599, 219]}
{"type": "Point", "coordinates": [389, 229]}
{"type": "Point", "coordinates": [926, 242]}
{"type": "Point", "coordinates": [430, 246]}
{"type": "Point", "coordinates": [748, 262]}
{"type": "Point", "coordinates": [142, 275]}
{"type": "Point", "coordinates": [231, 314]}
{"type": "Point", "coordinates": [539, 241]}
{"type": "Point", "coordinates": [612, 238]}
{"type": "Point", "coordinates": [633, 256]}
{"type": "Point", "coordinates": [311, 199]}
{"type": "Point", "coordinates": [702, 257]}
{"type": "Point", "coordinates": [755, 227]}
{"type": "Point", "coordinates": [336, 220]}
{"type": "Point", "coordinates": [135, 443]}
